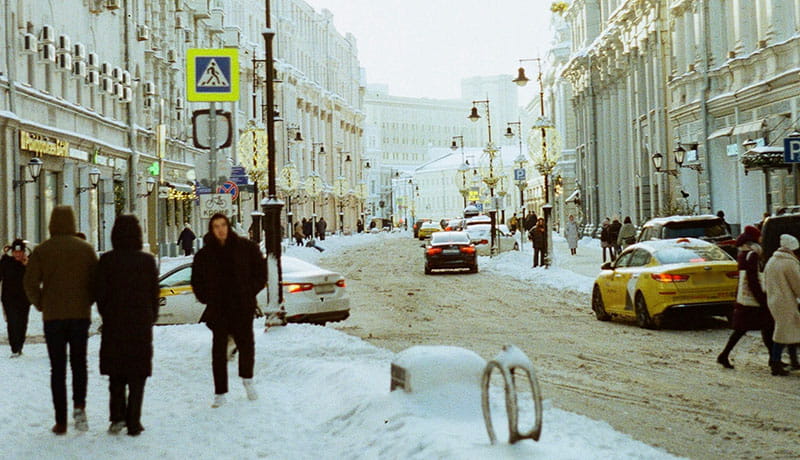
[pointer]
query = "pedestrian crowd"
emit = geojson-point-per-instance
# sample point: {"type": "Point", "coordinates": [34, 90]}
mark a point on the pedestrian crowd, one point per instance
{"type": "Point", "coordinates": [62, 277]}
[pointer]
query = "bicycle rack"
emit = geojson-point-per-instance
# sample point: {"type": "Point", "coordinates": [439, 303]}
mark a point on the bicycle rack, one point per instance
{"type": "Point", "coordinates": [507, 361]}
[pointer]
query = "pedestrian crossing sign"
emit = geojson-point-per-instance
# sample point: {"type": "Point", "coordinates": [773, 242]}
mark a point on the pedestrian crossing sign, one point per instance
{"type": "Point", "coordinates": [212, 75]}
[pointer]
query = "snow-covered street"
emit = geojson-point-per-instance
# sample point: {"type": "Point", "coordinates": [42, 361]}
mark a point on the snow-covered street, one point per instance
{"type": "Point", "coordinates": [324, 394]}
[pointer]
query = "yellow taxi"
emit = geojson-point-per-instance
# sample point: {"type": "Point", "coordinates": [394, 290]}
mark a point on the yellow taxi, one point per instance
{"type": "Point", "coordinates": [655, 279]}
{"type": "Point", "coordinates": [427, 229]}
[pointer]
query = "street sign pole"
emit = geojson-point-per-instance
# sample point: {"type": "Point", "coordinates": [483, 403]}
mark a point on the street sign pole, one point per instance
{"type": "Point", "coordinates": [212, 148]}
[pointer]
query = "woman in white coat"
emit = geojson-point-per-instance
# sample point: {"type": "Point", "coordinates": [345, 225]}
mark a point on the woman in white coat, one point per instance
{"type": "Point", "coordinates": [572, 234]}
{"type": "Point", "coordinates": [782, 285]}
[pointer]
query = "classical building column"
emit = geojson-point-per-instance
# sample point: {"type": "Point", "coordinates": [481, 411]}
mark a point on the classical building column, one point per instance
{"type": "Point", "coordinates": [744, 26]}
{"type": "Point", "coordinates": [780, 15]}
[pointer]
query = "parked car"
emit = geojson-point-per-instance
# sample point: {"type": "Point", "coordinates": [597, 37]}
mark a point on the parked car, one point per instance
{"type": "Point", "coordinates": [706, 227]}
{"type": "Point", "coordinates": [479, 235]}
{"type": "Point", "coordinates": [655, 279]}
{"type": "Point", "coordinates": [450, 250]}
{"type": "Point", "coordinates": [311, 294]}
{"type": "Point", "coordinates": [774, 227]}
{"type": "Point", "coordinates": [455, 225]}
{"type": "Point", "coordinates": [427, 229]}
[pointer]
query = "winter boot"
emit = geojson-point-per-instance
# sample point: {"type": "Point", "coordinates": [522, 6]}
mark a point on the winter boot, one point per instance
{"type": "Point", "coordinates": [776, 368]}
{"type": "Point", "coordinates": [60, 429]}
{"type": "Point", "coordinates": [116, 427]}
{"type": "Point", "coordinates": [794, 364]}
{"type": "Point", "coordinates": [219, 401]}
{"type": "Point", "coordinates": [81, 422]}
{"type": "Point", "coordinates": [723, 359]}
{"type": "Point", "coordinates": [252, 395]}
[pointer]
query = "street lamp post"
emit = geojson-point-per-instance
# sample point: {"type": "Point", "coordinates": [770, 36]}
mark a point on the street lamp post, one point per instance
{"type": "Point", "coordinates": [271, 205]}
{"type": "Point", "coordinates": [490, 179]}
{"type": "Point", "coordinates": [461, 175]}
{"type": "Point", "coordinates": [314, 186]}
{"type": "Point", "coordinates": [340, 188]}
{"type": "Point", "coordinates": [520, 162]}
{"type": "Point", "coordinates": [545, 165]}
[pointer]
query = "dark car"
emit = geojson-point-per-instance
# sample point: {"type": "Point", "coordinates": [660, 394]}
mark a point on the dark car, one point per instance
{"type": "Point", "coordinates": [706, 227]}
{"type": "Point", "coordinates": [450, 250]}
{"type": "Point", "coordinates": [774, 227]}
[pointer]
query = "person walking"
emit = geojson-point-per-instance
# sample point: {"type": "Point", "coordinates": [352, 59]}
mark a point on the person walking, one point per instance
{"type": "Point", "coordinates": [307, 224]}
{"type": "Point", "coordinates": [186, 239]}
{"type": "Point", "coordinates": [605, 240]}
{"type": "Point", "coordinates": [298, 233]}
{"type": "Point", "coordinates": [126, 289]}
{"type": "Point", "coordinates": [721, 215]}
{"type": "Point", "coordinates": [613, 236]}
{"type": "Point", "coordinates": [16, 306]}
{"type": "Point", "coordinates": [627, 234]}
{"type": "Point", "coordinates": [58, 283]}
{"type": "Point", "coordinates": [321, 226]}
{"type": "Point", "coordinates": [750, 311]}
{"type": "Point", "coordinates": [513, 223]}
{"type": "Point", "coordinates": [782, 286]}
{"type": "Point", "coordinates": [572, 234]}
{"type": "Point", "coordinates": [228, 273]}
{"type": "Point", "coordinates": [538, 235]}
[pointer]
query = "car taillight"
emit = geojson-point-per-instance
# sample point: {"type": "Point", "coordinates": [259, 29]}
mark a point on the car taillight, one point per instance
{"type": "Point", "coordinates": [298, 287]}
{"type": "Point", "coordinates": [734, 275]}
{"type": "Point", "coordinates": [433, 251]}
{"type": "Point", "coordinates": [468, 249]}
{"type": "Point", "coordinates": [448, 229]}
{"type": "Point", "coordinates": [669, 277]}
{"type": "Point", "coordinates": [341, 283]}
{"type": "Point", "coordinates": [483, 242]}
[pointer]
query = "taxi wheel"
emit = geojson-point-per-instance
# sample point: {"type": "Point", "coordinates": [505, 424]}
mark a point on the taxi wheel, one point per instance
{"type": "Point", "coordinates": [597, 305]}
{"type": "Point", "coordinates": [643, 318]}
{"type": "Point", "coordinates": [428, 271]}
{"type": "Point", "coordinates": [474, 269]}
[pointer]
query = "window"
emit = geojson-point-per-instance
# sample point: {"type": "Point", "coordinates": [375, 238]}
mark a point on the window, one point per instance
{"type": "Point", "coordinates": [640, 258]}
{"type": "Point", "coordinates": [182, 277]}
{"type": "Point", "coordinates": [690, 254]}
{"type": "Point", "coordinates": [623, 260]}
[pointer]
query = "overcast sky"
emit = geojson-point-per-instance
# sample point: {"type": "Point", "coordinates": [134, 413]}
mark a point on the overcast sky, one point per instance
{"type": "Point", "coordinates": [423, 48]}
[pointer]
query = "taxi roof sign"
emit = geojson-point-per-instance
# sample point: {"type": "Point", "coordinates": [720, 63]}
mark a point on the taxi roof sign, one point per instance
{"type": "Point", "coordinates": [212, 75]}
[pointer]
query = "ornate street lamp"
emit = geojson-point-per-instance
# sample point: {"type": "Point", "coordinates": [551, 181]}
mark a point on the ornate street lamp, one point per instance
{"type": "Point", "coordinates": [150, 185]}
{"type": "Point", "coordinates": [34, 169]}
{"type": "Point", "coordinates": [520, 162]}
{"type": "Point", "coordinates": [252, 150]}
{"type": "Point", "coordinates": [94, 179]}
{"type": "Point", "coordinates": [490, 179]}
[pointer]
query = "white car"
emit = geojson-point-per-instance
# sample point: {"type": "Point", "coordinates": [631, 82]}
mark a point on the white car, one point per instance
{"type": "Point", "coordinates": [479, 235]}
{"type": "Point", "coordinates": [311, 294]}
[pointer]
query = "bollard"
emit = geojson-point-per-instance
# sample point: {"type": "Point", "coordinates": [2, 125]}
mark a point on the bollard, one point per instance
{"type": "Point", "coordinates": [507, 361]}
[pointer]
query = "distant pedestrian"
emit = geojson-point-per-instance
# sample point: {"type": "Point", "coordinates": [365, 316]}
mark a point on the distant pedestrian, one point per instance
{"type": "Point", "coordinates": [298, 234]}
{"type": "Point", "coordinates": [627, 234]}
{"type": "Point", "coordinates": [58, 283]}
{"type": "Point", "coordinates": [538, 235]}
{"type": "Point", "coordinates": [605, 240]}
{"type": "Point", "coordinates": [359, 226]}
{"type": "Point", "coordinates": [750, 311]}
{"type": "Point", "coordinates": [613, 235]}
{"type": "Point", "coordinates": [321, 227]}
{"type": "Point", "coordinates": [16, 306]}
{"type": "Point", "coordinates": [572, 234]}
{"type": "Point", "coordinates": [721, 215]}
{"type": "Point", "coordinates": [126, 289]}
{"type": "Point", "coordinates": [227, 274]}
{"type": "Point", "coordinates": [186, 239]}
{"type": "Point", "coordinates": [307, 227]}
{"type": "Point", "coordinates": [513, 223]}
{"type": "Point", "coordinates": [782, 286]}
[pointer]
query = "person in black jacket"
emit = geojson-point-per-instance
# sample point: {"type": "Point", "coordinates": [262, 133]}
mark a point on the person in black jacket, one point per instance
{"type": "Point", "coordinates": [227, 274]}
{"type": "Point", "coordinates": [16, 306]}
{"type": "Point", "coordinates": [613, 236]}
{"type": "Point", "coordinates": [538, 235]}
{"type": "Point", "coordinates": [186, 240]}
{"type": "Point", "coordinates": [126, 289]}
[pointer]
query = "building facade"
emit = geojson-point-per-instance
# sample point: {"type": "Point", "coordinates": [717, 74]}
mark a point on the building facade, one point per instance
{"type": "Point", "coordinates": [99, 86]}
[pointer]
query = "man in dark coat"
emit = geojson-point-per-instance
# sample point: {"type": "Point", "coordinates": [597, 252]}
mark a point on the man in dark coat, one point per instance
{"type": "Point", "coordinates": [307, 224]}
{"type": "Point", "coordinates": [530, 221]}
{"type": "Point", "coordinates": [538, 235]}
{"type": "Point", "coordinates": [126, 289]}
{"type": "Point", "coordinates": [321, 227]}
{"type": "Point", "coordinates": [613, 236]}
{"type": "Point", "coordinates": [227, 274]}
{"type": "Point", "coordinates": [58, 283]}
{"type": "Point", "coordinates": [15, 303]}
{"type": "Point", "coordinates": [186, 240]}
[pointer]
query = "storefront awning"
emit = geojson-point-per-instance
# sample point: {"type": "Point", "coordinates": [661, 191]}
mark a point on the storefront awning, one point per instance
{"type": "Point", "coordinates": [749, 127]}
{"type": "Point", "coordinates": [720, 133]}
{"type": "Point", "coordinates": [768, 149]}
{"type": "Point", "coordinates": [576, 195]}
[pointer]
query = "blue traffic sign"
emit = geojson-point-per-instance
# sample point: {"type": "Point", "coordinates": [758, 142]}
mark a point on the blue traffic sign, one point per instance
{"type": "Point", "coordinates": [212, 75]}
{"type": "Point", "coordinates": [791, 150]}
{"type": "Point", "coordinates": [519, 174]}
{"type": "Point", "coordinates": [230, 188]}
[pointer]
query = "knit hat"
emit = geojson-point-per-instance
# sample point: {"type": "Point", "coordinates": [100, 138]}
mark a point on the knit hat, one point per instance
{"type": "Point", "coordinates": [18, 245]}
{"type": "Point", "coordinates": [789, 242]}
{"type": "Point", "coordinates": [750, 235]}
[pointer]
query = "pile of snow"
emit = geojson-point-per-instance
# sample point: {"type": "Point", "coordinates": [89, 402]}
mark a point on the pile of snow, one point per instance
{"type": "Point", "coordinates": [324, 394]}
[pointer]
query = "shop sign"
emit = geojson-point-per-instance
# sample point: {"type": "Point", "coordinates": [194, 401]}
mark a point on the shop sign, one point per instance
{"type": "Point", "coordinates": [43, 145]}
